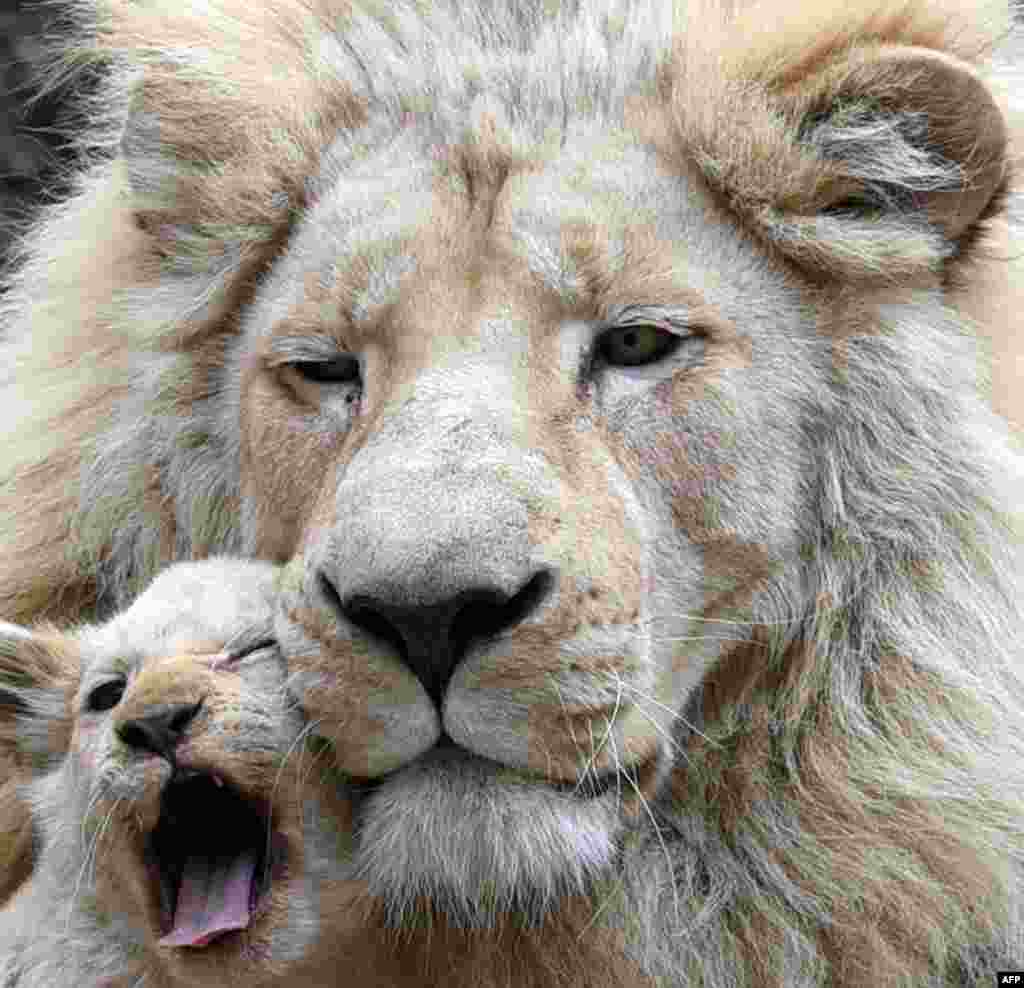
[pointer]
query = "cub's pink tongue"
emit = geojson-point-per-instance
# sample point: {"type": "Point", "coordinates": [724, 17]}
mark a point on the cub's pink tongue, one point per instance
{"type": "Point", "coordinates": [215, 897]}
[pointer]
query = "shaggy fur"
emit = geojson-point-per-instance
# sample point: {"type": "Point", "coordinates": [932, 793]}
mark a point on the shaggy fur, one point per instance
{"type": "Point", "coordinates": [721, 641]}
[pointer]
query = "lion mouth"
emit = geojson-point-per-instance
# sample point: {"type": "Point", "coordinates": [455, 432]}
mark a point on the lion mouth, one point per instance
{"type": "Point", "coordinates": [591, 786]}
{"type": "Point", "coordinates": [213, 854]}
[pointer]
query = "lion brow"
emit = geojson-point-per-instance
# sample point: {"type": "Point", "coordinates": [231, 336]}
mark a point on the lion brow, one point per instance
{"type": "Point", "coordinates": [299, 349]}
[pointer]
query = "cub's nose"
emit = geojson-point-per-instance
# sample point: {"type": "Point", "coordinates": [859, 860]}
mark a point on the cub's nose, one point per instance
{"type": "Point", "coordinates": [160, 730]}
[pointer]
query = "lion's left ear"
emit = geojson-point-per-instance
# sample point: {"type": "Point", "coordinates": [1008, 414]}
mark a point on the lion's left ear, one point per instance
{"type": "Point", "coordinates": [912, 129]}
{"type": "Point", "coordinates": [883, 160]}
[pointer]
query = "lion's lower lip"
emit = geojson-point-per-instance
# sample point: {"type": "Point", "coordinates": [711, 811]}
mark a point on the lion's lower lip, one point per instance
{"type": "Point", "coordinates": [591, 786]}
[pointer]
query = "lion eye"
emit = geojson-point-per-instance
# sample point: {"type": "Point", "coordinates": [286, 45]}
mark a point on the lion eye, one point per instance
{"type": "Point", "coordinates": [631, 346]}
{"type": "Point", "coordinates": [106, 696]}
{"type": "Point", "coordinates": [337, 370]}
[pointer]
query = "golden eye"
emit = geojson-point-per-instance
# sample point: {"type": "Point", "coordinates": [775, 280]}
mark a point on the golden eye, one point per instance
{"type": "Point", "coordinates": [632, 346]}
{"type": "Point", "coordinates": [106, 696]}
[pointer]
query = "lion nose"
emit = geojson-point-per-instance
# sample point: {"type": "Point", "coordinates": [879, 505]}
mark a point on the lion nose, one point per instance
{"type": "Point", "coordinates": [431, 639]}
{"type": "Point", "coordinates": [161, 730]}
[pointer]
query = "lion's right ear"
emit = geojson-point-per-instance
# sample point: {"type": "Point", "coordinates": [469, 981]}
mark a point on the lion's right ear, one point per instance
{"type": "Point", "coordinates": [38, 677]}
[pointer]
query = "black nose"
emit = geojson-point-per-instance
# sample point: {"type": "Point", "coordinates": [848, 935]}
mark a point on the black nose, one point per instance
{"type": "Point", "coordinates": [432, 639]}
{"type": "Point", "coordinates": [161, 730]}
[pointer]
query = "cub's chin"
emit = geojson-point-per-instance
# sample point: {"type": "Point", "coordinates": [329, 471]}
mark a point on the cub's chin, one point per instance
{"type": "Point", "coordinates": [454, 833]}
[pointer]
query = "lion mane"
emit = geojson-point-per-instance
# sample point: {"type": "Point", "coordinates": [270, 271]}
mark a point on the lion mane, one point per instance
{"type": "Point", "coordinates": [626, 388]}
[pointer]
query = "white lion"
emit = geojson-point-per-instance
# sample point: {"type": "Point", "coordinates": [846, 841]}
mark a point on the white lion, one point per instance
{"type": "Point", "coordinates": [605, 376]}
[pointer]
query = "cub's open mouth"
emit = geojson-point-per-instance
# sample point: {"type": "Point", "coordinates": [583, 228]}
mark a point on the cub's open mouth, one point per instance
{"type": "Point", "coordinates": [213, 855]}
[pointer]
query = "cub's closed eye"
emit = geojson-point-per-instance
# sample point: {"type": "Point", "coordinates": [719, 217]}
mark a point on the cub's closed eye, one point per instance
{"type": "Point", "coordinates": [338, 370]}
{"type": "Point", "coordinates": [106, 696]}
{"type": "Point", "coordinates": [633, 346]}
{"type": "Point", "coordinates": [244, 644]}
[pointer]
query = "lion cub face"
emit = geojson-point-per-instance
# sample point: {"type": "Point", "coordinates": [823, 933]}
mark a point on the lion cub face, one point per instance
{"type": "Point", "coordinates": [176, 806]}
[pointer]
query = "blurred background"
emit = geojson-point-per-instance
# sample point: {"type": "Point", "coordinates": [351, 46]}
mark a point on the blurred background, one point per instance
{"type": "Point", "coordinates": [30, 152]}
{"type": "Point", "coordinates": [35, 159]}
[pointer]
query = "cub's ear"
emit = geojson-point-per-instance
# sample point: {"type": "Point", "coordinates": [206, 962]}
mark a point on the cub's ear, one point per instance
{"type": "Point", "coordinates": [38, 678]}
{"type": "Point", "coordinates": [876, 162]}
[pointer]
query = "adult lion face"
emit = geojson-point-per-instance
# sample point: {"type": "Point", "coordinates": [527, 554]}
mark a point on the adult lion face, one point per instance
{"type": "Point", "coordinates": [535, 418]}
{"type": "Point", "coordinates": [517, 442]}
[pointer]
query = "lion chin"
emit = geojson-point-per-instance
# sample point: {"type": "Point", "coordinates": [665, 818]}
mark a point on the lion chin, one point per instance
{"type": "Point", "coordinates": [608, 383]}
{"type": "Point", "coordinates": [477, 840]}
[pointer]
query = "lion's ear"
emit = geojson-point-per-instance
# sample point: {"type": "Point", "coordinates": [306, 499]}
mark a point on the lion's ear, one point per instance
{"type": "Point", "coordinates": [877, 163]}
{"type": "Point", "coordinates": [908, 131]}
{"type": "Point", "coordinates": [38, 677]}
{"type": "Point", "coordinates": [947, 117]}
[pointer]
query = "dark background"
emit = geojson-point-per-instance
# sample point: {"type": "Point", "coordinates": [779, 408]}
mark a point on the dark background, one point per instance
{"type": "Point", "coordinates": [31, 153]}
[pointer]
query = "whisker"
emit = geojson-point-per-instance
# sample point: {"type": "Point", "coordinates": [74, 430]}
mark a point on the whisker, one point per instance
{"type": "Point", "coordinates": [669, 871]}
{"type": "Point", "coordinates": [89, 863]}
{"type": "Point", "coordinates": [323, 753]}
{"type": "Point", "coordinates": [299, 740]}
{"type": "Point", "coordinates": [711, 638]}
{"type": "Point", "coordinates": [753, 623]}
{"type": "Point", "coordinates": [590, 761]}
{"type": "Point", "coordinates": [654, 702]}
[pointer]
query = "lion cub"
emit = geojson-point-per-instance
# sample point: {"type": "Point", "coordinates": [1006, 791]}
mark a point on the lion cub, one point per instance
{"type": "Point", "coordinates": [188, 834]}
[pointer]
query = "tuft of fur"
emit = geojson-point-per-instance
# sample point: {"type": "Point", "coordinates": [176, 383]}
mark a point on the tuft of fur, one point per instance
{"type": "Point", "coordinates": [841, 796]}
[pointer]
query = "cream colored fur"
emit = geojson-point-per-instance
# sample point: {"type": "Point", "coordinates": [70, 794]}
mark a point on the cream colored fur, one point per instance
{"type": "Point", "coordinates": [88, 915]}
{"type": "Point", "coordinates": [625, 388]}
